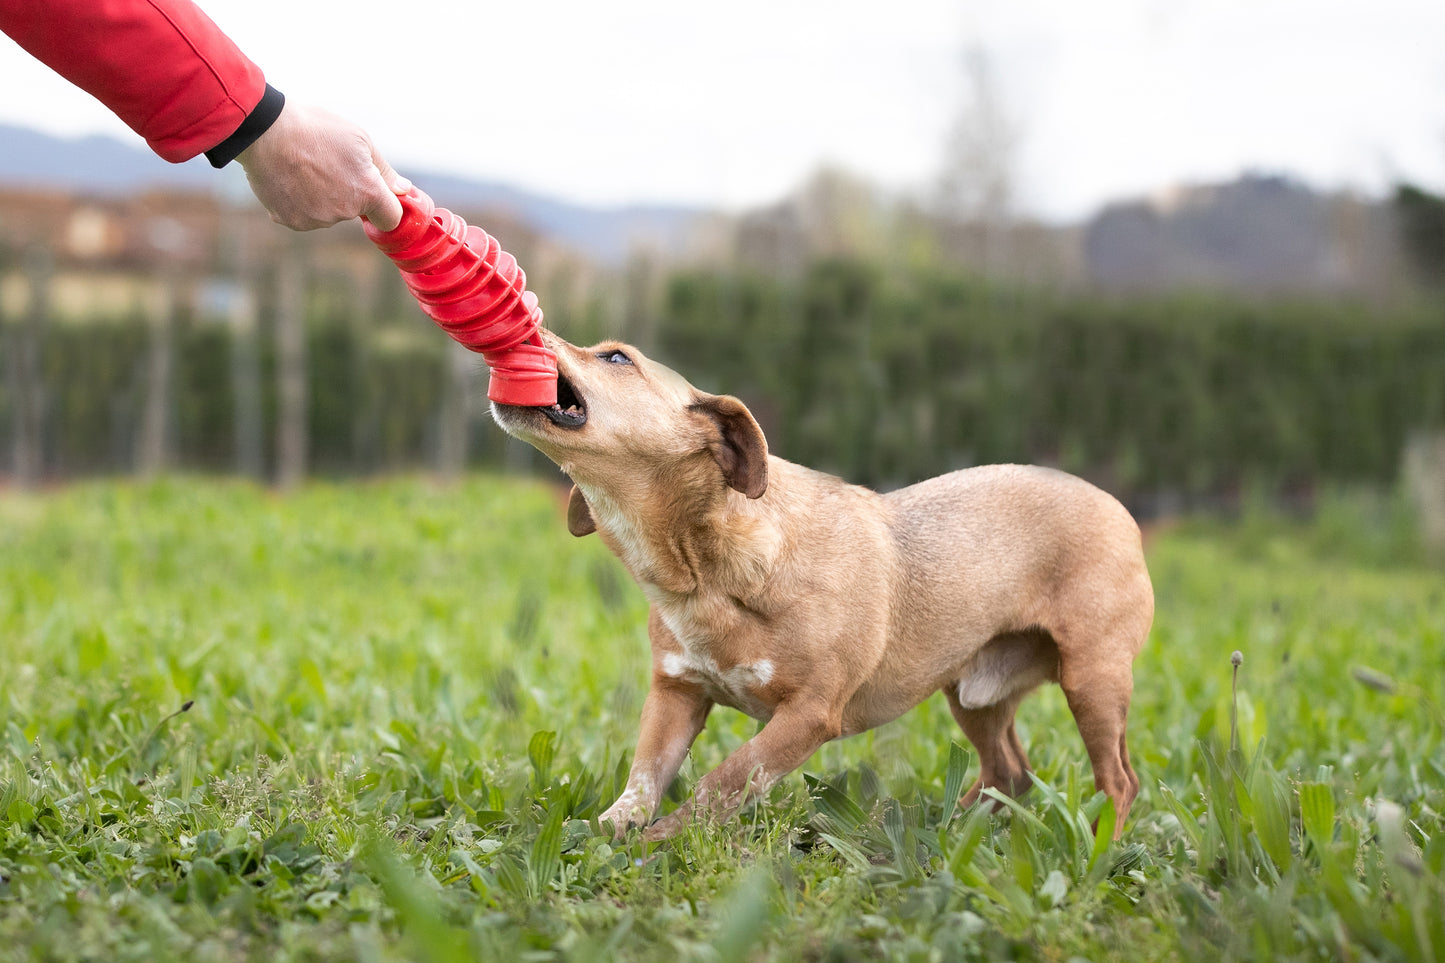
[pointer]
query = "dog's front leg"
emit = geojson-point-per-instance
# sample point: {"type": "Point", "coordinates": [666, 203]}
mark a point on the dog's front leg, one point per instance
{"type": "Point", "coordinates": [672, 716]}
{"type": "Point", "coordinates": [793, 734]}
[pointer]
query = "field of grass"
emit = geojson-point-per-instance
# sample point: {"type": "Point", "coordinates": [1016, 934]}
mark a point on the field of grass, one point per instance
{"type": "Point", "coordinates": [378, 721]}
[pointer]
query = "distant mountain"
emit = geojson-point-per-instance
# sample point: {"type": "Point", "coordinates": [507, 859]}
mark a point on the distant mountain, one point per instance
{"type": "Point", "coordinates": [106, 166]}
{"type": "Point", "coordinates": [99, 165]}
{"type": "Point", "coordinates": [605, 234]}
{"type": "Point", "coordinates": [1259, 232]}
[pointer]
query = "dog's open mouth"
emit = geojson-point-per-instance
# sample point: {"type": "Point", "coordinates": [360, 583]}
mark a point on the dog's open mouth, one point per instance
{"type": "Point", "coordinates": [569, 411]}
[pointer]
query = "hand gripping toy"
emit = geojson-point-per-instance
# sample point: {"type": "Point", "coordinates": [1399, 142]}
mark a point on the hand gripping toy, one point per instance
{"type": "Point", "coordinates": [474, 290]}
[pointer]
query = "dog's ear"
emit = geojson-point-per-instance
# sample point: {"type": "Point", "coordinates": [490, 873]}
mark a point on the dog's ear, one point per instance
{"type": "Point", "coordinates": [736, 443]}
{"type": "Point", "coordinates": [579, 514]}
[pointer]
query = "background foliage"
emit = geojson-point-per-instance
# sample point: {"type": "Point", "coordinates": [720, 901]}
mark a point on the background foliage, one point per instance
{"type": "Point", "coordinates": [888, 379]}
{"type": "Point", "coordinates": [885, 377]}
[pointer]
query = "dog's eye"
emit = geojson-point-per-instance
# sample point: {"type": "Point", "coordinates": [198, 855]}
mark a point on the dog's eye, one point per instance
{"type": "Point", "coordinates": [615, 357]}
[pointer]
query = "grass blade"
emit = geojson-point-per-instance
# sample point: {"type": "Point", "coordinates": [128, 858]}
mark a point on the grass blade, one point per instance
{"type": "Point", "coordinates": [1272, 816]}
{"type": "Point", "coordinates": [1317, 813]}
{"type": "Point", "coordinates": [541, 750]}
{"type": "Point", "coordinates": [953, 781]}
{"type": "Point", "coordinates": [851, 854]}
{"type": "Point", "coordinates": [1104, 834]}
{"type": "Point", "coordinates": [845, 815]}
{"type": "Point", "coordinates": [546, 853]}
{"type": "Point", "coordinates": [900, 838]}
{"type": "Point", "coordinates": [966, 841]}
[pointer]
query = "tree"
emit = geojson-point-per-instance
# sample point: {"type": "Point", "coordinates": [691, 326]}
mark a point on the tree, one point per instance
{"type": "Point", "coordinates": [1422, 225]}
{"type": "Point", "coordinates": [153, 449]}
{"type": "Point", "coordinates": [975, 184]}
{"type": "Point", "coordinates": [240, 261]}
{"type": "Point", "coordinates": [292, 399]}
{"type": "Point", "coordinates": [23, 370]}
{"type": "Point", "coordinates": [454, 417]}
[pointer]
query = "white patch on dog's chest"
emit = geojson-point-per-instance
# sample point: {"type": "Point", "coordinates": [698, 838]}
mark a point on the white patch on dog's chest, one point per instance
{"type": "Point", "coordinates": [734, 686]}
{"type": "Point", "coordinates": [740, 678]}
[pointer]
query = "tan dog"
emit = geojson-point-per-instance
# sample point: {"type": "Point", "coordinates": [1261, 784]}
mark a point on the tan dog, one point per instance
{"type": "Point", "coordinates": [826, 609]}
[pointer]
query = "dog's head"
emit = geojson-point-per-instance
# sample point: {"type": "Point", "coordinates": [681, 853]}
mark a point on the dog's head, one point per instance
{"type": "Point", "coordinates": [623, 421]}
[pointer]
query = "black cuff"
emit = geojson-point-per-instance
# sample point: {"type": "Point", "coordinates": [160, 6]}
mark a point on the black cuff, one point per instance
{"type": "Point", "coordinates": [257, 122]}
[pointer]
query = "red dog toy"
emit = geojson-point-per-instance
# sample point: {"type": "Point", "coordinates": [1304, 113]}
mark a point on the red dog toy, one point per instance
{"type": "Point", "coordinates": [474, 290]}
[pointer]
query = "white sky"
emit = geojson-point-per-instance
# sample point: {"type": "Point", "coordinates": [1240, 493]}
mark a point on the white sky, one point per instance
{"type": "Point", "coordinates": [734, 104]}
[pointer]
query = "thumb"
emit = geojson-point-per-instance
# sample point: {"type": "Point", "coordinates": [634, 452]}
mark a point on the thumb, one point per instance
{"type": "Point", "coordinates": [383, 209]}
{"type": "Point", "coordinates": [394, 181]}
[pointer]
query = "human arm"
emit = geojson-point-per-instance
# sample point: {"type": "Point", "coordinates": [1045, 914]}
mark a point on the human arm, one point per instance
{"type": "Point", "coordinates": [162, 66]}
{"type": "Point", "coordinates": [176, 79]}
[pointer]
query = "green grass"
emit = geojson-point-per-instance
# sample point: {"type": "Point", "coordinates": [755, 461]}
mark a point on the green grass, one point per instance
{"type": "Point", "coordinates": [378, 722]}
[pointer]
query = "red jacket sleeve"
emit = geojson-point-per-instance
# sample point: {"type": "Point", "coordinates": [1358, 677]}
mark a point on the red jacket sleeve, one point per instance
{"type": "Point", "coordinates": [161, 65]}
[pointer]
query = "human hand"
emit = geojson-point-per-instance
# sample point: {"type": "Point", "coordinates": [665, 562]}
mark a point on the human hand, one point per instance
{"type": "Point", "coordinates": [313, 169]}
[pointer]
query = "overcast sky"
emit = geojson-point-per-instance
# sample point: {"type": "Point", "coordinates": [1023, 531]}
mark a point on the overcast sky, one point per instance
{"type": "Point", "coordinates": [734, 104]}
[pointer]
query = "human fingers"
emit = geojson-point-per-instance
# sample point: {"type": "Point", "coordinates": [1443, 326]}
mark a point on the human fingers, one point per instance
{"type": "Point", "coordinates": [381, 205]}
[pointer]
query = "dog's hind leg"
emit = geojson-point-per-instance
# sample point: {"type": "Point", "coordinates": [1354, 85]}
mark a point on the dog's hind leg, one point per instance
{"type": "Point", "coordinates": [1102, 624]}
{"type": "Point", "coordinates": [1099, 699]}
{"type": "Point", "coordinates": [1003, 765]}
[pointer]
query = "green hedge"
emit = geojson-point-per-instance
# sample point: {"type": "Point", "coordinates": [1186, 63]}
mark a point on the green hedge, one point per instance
{"type": "Point", "coordinates": [886, 380]}
{"type": "Point", "coordinates": [881, 378]}
{"type": "Point", "coordinates": [370, 408]}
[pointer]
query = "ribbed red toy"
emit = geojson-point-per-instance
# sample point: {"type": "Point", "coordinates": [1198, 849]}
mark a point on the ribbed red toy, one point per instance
{"type": "Point", "coordinates": [474, 290]}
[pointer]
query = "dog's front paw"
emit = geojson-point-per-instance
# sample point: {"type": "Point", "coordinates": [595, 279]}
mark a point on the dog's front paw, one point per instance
{"type": "Point", "coordinates": [624, 814]}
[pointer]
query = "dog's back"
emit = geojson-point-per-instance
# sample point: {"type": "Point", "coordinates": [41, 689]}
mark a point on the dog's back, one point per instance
{"type": "Point", "coordinates": [997, 563]}
{"type": "Point", "coordinates": [1015, 535]}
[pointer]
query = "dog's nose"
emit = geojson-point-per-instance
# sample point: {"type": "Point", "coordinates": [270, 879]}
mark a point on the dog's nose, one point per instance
{"type": "Point", "coordinates": [554, 342]}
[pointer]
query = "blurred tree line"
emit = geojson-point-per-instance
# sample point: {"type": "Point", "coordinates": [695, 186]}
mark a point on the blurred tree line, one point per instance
{"type": "Point", "coordinates": [884, 363]}
{"type": "Point", "coordinates": [887, 378]}
{"type": "Point", "coordinates": [242, 349]}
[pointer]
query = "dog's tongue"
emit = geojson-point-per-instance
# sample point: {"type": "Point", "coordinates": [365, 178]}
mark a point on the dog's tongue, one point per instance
{"type": "Point", "coordinates": [476, 293]}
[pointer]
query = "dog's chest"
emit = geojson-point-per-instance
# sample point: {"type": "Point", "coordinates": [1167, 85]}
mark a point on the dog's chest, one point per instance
{"type": "Point", "coordinates": [736, 684]}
